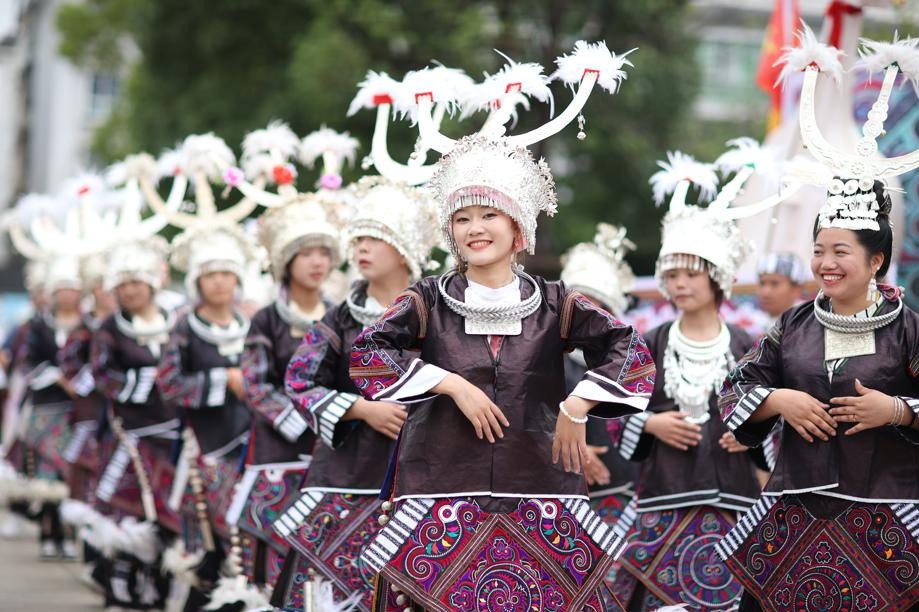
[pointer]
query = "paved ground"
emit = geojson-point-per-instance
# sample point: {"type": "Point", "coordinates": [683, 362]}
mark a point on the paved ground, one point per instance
{"type": "Point", "coordinates": [30, 585]}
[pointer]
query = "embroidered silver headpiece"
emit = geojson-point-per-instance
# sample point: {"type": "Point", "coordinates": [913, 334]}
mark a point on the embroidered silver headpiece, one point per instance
{"type": "Point", "coordinates": [599, 269]}
{"type": "Point", "coordinates": [479, 171]}
{"type": "Point", "coordinates": [402, 216]}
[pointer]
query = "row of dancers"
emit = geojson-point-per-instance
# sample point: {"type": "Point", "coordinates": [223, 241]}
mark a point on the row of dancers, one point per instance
{"type": "Point", "coordinates": [481, 439]}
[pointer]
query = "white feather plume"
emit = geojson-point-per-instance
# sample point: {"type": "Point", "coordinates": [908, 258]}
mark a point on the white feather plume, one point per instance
{"type": "Point", "coordinates": [324, 598]}
{"type": "Point", "coordinates": [447, 87]}
{"type": "Point", "coordinates": [747, 151]}
{"type": "Point", "coordinates": [233, 590]}
{"type": "Point", "coordinates": [34, 205]}
{"type": "Point", "coordinates": [207, 153]}
{"type": "Point", "coordinates": [877, 56]}
{"type": "Point", "coordinates": [809, 51]}
{"type": "Point", "coordinates": [526, 79]}
{"type": "Point", "coordinates": [261, 165]}
{"type": "Point", "coordinates": [141, 165]}
{"type": "Point", "coordinates": [181, 563]}
{"type": "Point", "coordinates": [139, 538]}
{"type": "Point", "coordinates": [277, 139]}
{"type": "Point", "coordinates": [374, 85]}
{"type": "Point", "coordinates": [171, 162]}
{"type": "Point", "coordinates": [681, 167]}
{"type": "Point", "coordinates": [805, 170]}
{"type": "Point", "coordinates": [99, 531]}
{"type": "Point", "coordinates": [592, 56]}
{"type": "Point", "coordinates": [326, 140]}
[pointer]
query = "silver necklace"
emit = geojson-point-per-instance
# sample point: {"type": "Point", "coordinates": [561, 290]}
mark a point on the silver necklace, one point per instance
{"type": "Point", "coordinates": [694, 370]}
{"type": "Point", "coordinates": [503, 313]}
{"type": "Point", "coordinates": [362, 314]}
{"type": "Point", "coordinates": [147, 335]}
{"type": "Point", "coordinates": [228, 340]}
{"type": "Point", "coordinates": [852, 324]}
{"type": "Point", "coordinates": [290, 317]}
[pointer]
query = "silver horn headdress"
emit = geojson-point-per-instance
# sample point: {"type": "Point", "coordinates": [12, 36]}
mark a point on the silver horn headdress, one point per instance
{"type": "Point", "coordinates": [849, 176]}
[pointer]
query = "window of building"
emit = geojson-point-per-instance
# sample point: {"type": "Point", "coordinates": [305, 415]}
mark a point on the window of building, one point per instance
{"type": "Point", "coordinates": [104, 93]}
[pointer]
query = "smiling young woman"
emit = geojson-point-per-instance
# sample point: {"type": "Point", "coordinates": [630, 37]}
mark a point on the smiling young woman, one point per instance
{"type": "Point", "coordinates": [841, 372]}
{"type": "Point", "coordinates": [490, 456]}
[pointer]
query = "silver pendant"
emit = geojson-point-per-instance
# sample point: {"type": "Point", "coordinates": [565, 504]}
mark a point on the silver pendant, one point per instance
{"type": "Point", "coordinates": [233, 347]}
{"type": "Point", "coordinates": [839, 346]}
{"type": "Point", "coordinates": [493, 328]}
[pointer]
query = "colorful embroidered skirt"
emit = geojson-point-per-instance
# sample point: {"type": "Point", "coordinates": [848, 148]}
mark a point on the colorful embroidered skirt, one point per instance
{"type": "Point", "coordinates": [449, 554]}
{"type": "Point", "coordinates": [670, 559]}
{"type": "Point", "coordinates": [330, 531]}
{"type": "Point", "coordinates": [264, 492]}
{"type": "Point", "coordinates": [614, 508]}
{"type": "Point", "coordinates": [47, 434]}
{"type": "Point", "coordinates": [120, 487]}
{"type": "Point", "coordinates": [860, 556]}
{"type": "Point", "coordinates": [219, 477]}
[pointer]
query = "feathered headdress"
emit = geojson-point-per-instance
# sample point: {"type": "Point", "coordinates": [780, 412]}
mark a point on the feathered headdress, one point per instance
{"type": "Point", "coordinates": [707, 238]}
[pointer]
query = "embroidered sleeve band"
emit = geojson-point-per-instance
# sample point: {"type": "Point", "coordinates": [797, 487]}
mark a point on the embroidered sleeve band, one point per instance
{"type": "Point", "coordinates": [83, 383]}
{"type": "Point", "coordinates": [43, 376]}
{"type": "Point", "coordinates": [217, 387]}
{"type": "Point", "coordinates": [415, 385]}
{"type": "Point", "coordinates": [290, 423]}
{"type": "Point", "coordinates": [602, 389]}
{"type": "Point", "coordinates": [631, 434]}
{"type": "Point", "coordinates": [745, 406]}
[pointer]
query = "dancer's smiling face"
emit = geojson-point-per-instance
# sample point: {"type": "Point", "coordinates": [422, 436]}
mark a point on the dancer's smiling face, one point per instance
{"type": "Point", "coordinates": [485, 236]}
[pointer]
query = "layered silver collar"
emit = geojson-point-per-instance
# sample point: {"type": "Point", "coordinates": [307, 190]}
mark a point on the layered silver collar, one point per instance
{"type": "Point", "coordinates": [145, 335]}
{"type": "Point", "coordinates": [366, 314]}
{"type": "Point", "coordinates": [853, 324]}
{"type": "Point", "coordinates": [216, 334]}
{"type": "Point", "coordinates": [501, 313]}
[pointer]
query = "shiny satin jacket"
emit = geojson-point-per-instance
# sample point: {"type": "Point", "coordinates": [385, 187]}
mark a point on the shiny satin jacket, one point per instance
{"type": "Point", "coordinates": [351, 455]}
{"type": "Point", "coordinates": [192, 376]}
{"type": "Point", "coordinates": [439, 455]}
{"type": "Point", "coordinates": [269, 347]}
{"type": "Point", "coordinates": [879, 464]}
{"type": "Point", "coordinates": [125, 373]}
{"type": "Point", "coordinates": [705, 474]}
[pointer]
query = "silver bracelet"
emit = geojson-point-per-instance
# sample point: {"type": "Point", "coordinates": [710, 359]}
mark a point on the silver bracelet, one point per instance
{"type": "Point", "coordinates": [579, 420]}
{"type": "Point", "coordinates": [902, 408]}
{"type": "Point", "coordinates": [897, 412]}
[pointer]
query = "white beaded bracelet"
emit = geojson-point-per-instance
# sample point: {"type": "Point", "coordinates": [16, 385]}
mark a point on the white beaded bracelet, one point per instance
{"type": "Point", "coordinates": [579, 420]}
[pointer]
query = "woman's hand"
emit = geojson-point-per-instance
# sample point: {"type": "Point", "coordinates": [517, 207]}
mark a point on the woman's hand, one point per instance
{"type": "Point", "coordinates": [384, 417]}
{"type": "Point", "coordinates": [484, 415]}
{"type": "Point", "coordinates": [235, 383]}
{"type": "Point", "coordinates": [570, 441]}
{"type": "Point", "coordinates": [869, 409]}
{"type": "Point", "coordinates": [807, 415]}
{"type": "Point", "coordinates": [672, 429]}
{"type": "Point", "coordinates": [729, 443]}
{"type": "Point", "coordinates": [595, 470]}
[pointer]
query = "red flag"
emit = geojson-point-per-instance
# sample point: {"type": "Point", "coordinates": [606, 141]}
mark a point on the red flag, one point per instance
{"type": "Point", "coordinates": [779, 33]}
